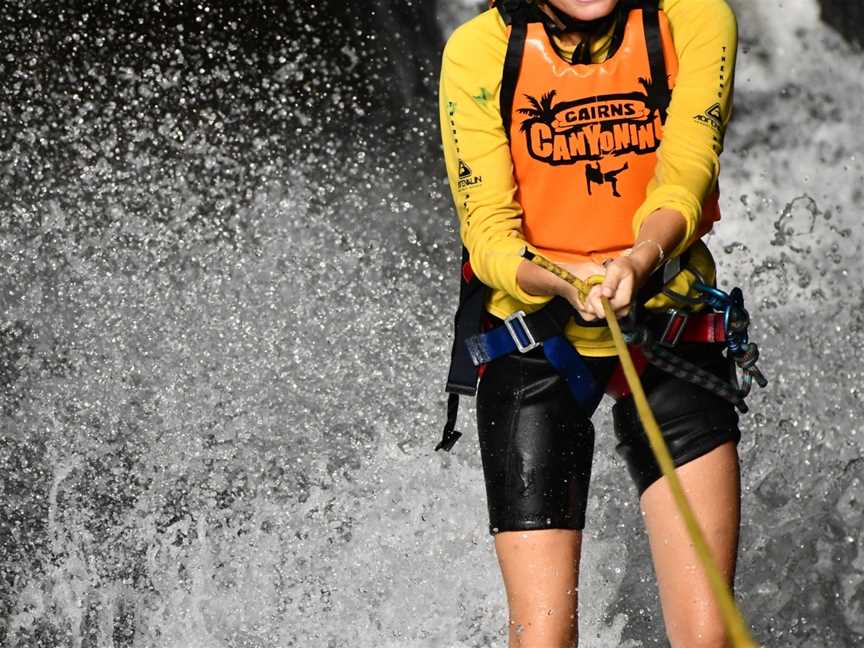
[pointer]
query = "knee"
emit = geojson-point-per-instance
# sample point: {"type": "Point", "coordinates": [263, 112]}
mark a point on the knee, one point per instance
{"type": "Point", "coordinates": [539, 632]}
{"type": "Point", "coordinates": [700, 637]}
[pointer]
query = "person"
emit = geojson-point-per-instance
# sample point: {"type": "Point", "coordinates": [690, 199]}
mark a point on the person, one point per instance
{"type": "Point", "coordinates": [589, 131]}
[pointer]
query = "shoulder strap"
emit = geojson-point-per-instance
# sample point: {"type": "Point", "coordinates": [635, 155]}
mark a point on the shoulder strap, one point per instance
{"type": "Point", "coordinates": [659, 85]}
{"type": "Point", "coordinates": [513, 11]}
{"type": "Point", "coordinates": [510, 75]}
{"type": "Point", "coordinates": [517, 14]}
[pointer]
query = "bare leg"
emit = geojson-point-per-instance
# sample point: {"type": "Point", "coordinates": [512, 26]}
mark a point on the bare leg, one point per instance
{"type": "Point", "coordinates": [541, 575]}
{"type": "Point", "coordinates": [712, 485]}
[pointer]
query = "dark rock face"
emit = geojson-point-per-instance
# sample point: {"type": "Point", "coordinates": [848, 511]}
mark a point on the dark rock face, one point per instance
{"type": "Point", "coordinates": [846, 16]}
{"type": "Point", "coordinates": [326, 58]}
{"type": "Point", "coordinates": [268, 82]}
{"type": "Point", "coordinates": [412, 40]}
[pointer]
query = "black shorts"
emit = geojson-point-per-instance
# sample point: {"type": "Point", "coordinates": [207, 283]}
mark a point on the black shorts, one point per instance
{"type": "Point", "coordinates": [537, 445]}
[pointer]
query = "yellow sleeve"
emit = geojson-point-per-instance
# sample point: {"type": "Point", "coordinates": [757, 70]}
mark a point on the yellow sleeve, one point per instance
{"type": "Point", "coordinates": [705, 34]}
{"type": "Point", "coordinates": [477, 153]}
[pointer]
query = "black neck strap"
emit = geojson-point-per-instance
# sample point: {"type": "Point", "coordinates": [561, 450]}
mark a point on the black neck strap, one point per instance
{"type": "Point", "coordinates": [571, 24]}
{"type": "Point", "coordinates": [513, 11]}
{"type": "Point", "coordinates": [510, 77]}
{"type": "Point", "coordinates": [659, 86]}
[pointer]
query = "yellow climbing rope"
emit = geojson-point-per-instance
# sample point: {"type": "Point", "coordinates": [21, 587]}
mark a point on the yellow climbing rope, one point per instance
{"type": "Point", "coordinates": [732, 618]}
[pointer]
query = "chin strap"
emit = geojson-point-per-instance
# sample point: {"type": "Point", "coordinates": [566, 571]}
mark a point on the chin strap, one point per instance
{"type": "Point", "coordinates": [562, 23]}
{"type": "Point", "coordinates": [571, 24]}
{"type": "Point", "coordinates": [557, 22]}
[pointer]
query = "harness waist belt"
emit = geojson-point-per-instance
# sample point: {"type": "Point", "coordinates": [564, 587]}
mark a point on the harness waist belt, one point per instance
{"type": "Point", "coordinates": [522, 332]}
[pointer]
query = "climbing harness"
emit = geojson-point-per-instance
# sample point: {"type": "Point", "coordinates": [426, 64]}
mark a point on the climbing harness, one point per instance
{"type": "Point", "coordinates": [472, 348]}
{"type": "Point", "coordinates": [654, 337]}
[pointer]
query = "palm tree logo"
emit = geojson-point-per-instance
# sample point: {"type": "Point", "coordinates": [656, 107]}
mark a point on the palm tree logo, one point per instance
{"type": "Point", "coordinates": [540, 112]}
{"type": "Point", "coordinates": [657, 96]}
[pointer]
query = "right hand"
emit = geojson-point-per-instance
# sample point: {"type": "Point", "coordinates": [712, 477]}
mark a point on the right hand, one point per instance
{"type": "Point", "coordinates": [581, 270]}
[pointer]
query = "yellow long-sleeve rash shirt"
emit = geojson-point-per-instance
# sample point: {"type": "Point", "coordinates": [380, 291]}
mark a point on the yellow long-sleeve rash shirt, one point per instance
{"type": "Point", "coordinates": [480, 168]}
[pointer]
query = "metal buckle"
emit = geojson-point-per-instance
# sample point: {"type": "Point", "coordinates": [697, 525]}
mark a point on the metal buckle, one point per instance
{"type": "Point", "coordinates": [519, 316]}
{"type": "Point", "coordinates": [675, 315]}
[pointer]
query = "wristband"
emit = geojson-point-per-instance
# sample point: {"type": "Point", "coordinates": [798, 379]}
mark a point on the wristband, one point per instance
{"type": "Point", "coordinates": [641, 243]}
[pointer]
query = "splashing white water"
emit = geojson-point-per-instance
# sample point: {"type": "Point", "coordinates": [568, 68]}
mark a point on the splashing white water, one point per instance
{"type": "Point", "coordinates": [223, 370]}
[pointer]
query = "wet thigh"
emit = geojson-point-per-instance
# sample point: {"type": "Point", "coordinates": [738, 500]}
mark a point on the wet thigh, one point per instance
{"type": "Point", "coordinates": [536, 446]}
{"type": "Point", "coordinates": [692, 419]}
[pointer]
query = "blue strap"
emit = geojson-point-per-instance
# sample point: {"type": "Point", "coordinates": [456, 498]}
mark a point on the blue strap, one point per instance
{"type": "Point", "coordinates": [575, 372]}
{"type": "Point", "coordinates": [497, 342]}
{"type": "Point", "coordinates": [492, 344]}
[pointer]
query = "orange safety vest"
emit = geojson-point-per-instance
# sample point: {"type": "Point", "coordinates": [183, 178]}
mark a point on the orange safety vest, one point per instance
{"type": "Point", "coordinates": [583, 138]}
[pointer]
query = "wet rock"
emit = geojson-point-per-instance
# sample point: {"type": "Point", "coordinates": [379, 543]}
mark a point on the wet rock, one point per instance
{"type": "Point", "coordinates": [844, 16]}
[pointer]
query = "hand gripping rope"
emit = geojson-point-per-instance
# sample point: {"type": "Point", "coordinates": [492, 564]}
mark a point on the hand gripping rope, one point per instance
{"type": "Point", "coordinates": [732, 618]}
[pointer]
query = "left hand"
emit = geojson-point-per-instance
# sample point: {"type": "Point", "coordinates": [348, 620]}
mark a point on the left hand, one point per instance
{"type": "Point", "coordinates": [623, 277]}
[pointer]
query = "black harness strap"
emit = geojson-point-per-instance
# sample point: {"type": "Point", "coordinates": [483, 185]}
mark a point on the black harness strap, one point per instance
{"type": "Point", "coordinates": [512, 65]}
{"type": "Point", "coordinates": [546, 322]}
{"type": "Point", "coordinates": [661, 276]}
{"type": "Point", "coordinates": [450, 435]}
{"type": "Point", "coordinates": [659, 87]}
{"type": "Point", "coordinates": [462, 377]}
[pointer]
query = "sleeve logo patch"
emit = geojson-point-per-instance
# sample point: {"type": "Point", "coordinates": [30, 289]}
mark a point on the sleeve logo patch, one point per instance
{"type": "Point", "coordinates": [483, 97]}
{"type": "Point", "coordinates": [467, 179]}
{"type": "Point", "coordinates": [711, 117]}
